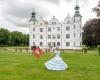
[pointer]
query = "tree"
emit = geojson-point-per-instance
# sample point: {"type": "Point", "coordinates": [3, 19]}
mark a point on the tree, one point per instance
{"type": "Point", "coordinates": [91, 35]}
{"type": "Point", "coordinates": [19, 39]}
{"type": "Point", "coordinates": [16, 38]}
{"type": "Point", "coordinates": [4, 37]}
{"type": "Point", "coordinates": [25, 40]}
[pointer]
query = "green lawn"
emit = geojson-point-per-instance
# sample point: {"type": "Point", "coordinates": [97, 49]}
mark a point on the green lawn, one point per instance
{"type": "Point", "coordinates": [24, 66]}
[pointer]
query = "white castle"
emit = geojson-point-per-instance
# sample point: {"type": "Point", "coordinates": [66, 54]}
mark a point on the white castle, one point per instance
{"type": "Point", "coordinates": [52, 33]}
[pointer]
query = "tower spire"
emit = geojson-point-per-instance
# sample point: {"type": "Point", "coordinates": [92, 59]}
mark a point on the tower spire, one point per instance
{"type": "Point", "coordinates": [77, 11]}
{"type": "Point", "coordinates": [33, 16]}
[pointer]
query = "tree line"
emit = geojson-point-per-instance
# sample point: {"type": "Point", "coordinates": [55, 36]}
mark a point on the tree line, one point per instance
{"type": "Point", "coordinates": [14, 38]}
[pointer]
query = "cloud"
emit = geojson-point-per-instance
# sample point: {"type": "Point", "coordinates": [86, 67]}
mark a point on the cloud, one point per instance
{"type": "Point", "coordinates": [52, 1]}
{"type": "Point", "coordinates": [79, 1]}
{"type": "Point", "coordinates": [21, 22]}
{"type": "Point", "coordinates": [18, 12]}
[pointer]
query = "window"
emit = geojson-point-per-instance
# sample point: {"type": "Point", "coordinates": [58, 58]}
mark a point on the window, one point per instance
{"type": "Point", "coordinates": [41, 43]}
{"type": "Point", "coordinates": [33, 43]}
{"type": "Point", "coordinates": [33, 29]}
{"type": "Point", "coordinates": [53, 37]}
{"type": "Point", "coordinates": [53, 23]}
{"type": "Point", "coordinates": [67, 28]}
{"type": "Point", "coordinates": [49, 44]}
{"type": "Point", "coordinates": [68, 22]}
{"type": "Point", "coordinates": [74, 34]}
{"type": "Point", "coordinates": [67, 44]}
{"type": "Point", "coordinates": [49, 36]}
{"type": "Point", "coordinates": [41, 29]}
{"type": "Point", "coordinates": [58, 43]}
{"type": "Point", "coordinates": [74, 26]}
{"type": "Point", "coordinates": [67, 36]}
{"type": "Point", "coordinates": [58, 28]}
{"type": "Point", "coordinates": [74, 43]}
{"type": "Point", "coordinates": [33, 36]}
{"type": "Point", "coordinates": [53, 44]}
{"type": "Point", "coordinates": [41, 36]}
{"type": "Point", "coordinates": [58, 36]}
{"type": "Point", "coordinates": [49, 29]}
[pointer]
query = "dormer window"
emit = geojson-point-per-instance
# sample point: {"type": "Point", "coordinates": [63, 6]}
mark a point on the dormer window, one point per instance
{"type": "Point", "coordinates": [68, 22]}
{"type": "Point", "coordinates": [53, 23]}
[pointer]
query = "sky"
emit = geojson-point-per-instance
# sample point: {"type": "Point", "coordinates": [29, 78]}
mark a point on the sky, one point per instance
{"type": "Point", "coordinates": [15, 14]}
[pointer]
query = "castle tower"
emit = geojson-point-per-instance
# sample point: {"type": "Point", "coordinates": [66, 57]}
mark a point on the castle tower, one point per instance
{"type": "Point", "coordinates": [77, 27]}
{"type": "Point", "coordinates": [32, 23]}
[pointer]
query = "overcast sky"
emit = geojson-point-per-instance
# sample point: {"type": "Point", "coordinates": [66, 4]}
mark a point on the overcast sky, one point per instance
{"type": "Point", "coordinates": [14, 14]}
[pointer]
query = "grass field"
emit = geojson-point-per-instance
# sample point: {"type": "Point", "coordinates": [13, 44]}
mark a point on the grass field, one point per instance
{"type": "Point", "coordinates": [24, 66]}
